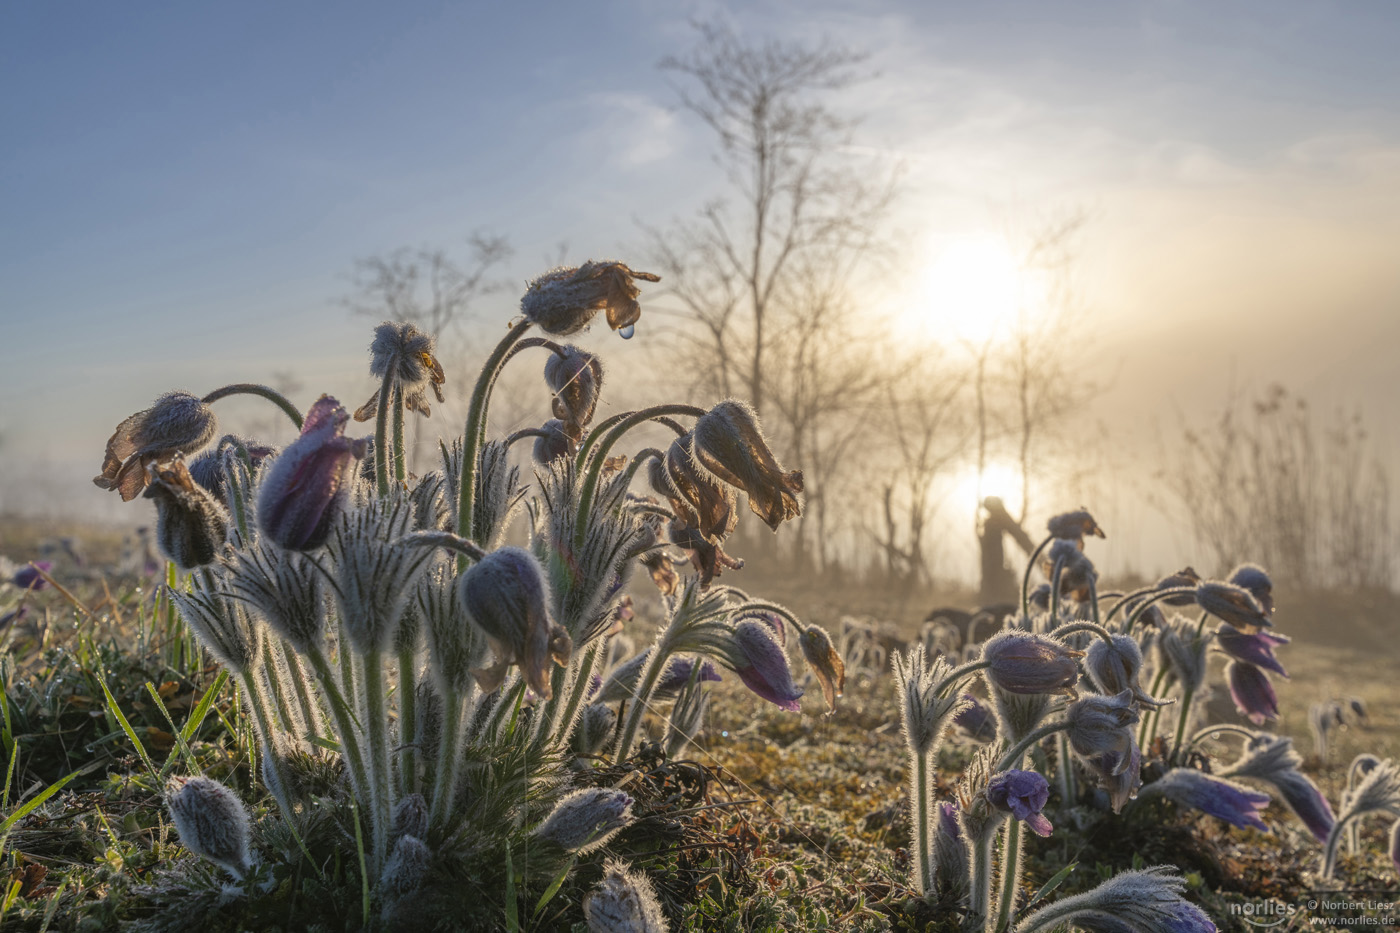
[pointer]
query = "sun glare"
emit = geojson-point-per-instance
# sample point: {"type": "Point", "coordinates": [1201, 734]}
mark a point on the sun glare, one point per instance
{"type": "Point", "coordinates": [972, 290]}
{"type": "Point", "coordinates": [998, 479]}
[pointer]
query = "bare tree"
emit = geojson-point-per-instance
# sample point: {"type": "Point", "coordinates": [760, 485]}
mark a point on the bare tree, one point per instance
{"type": "Point", "coordinates": [735, 267]}
{"type": "Point", "coordinates": [426, 285]}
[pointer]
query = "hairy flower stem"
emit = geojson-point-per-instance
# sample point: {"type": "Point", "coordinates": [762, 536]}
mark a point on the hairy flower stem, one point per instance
{"type": "Point", "coordinates": [647, 679]}
{"type": "Point", "coordinates": [1064, 772]}
{"type": "Point", "coordinates": [312, 711]}
{"type": "Point", "coordinates": [380, 769]}
{"type": "Point", "coordinates": [445, 774]}
{"type": "Point", "coordinates": [980, 898]}
{"type": "Point", "coordinates": [381, 435]}
{"type": "Point", "coordinates": [249, 388]}
{"type": "Point", "coordinates": [275, 683]}
{"type": "Point", "coordinates": [473, 435]}
{"type": "Point", "coordinates": [651, 453]}
{"type": "Point", "coordinates": [1013, 756]}
{"type": "Point", "coordinates": [561, 727]}
{"type": "Point", "coordinates": [1094, 627]}
{"type": "Point", "coordinates": [400, 456]}
{"type": "Point", "coordinates": [263, 718]}
{"type": "Point", "coordinates": [344, 724]}
{"type": "Point", "coordinates": [1149, 724]}
{"type": "Point", "coordinates": [921, 802]}
{"type": "Point", "coordinates": [1201, 735]}
{"type": "Point", "coordinates": [408, 720]}
{"type": "Point", "coordinates": [1026, 577]}
{"type": "Point", "coordinates": [957, 674]}
{"type": "Point", "coordinates": [1055, 593]}
{"type": "Point", "coordinates": [594, 466]}
{"type": "Point", "coordinates": [1187, 693]}
{"type": "Point", "coordinates": [1334, 838]}
{"type": "Point", "coordinates": [1010, 876]}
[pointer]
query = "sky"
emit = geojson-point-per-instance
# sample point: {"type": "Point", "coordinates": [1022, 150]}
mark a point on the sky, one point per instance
{"type": "Point", "coordinates": [184, 188]}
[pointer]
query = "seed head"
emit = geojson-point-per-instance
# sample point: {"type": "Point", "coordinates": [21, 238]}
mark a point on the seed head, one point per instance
{"type": "Point", "coordinates": [178, 423]}
{"type": "Point", "coordinates": [586, 819]}
{"type": "Point", "coordinates": [212, 823]}
{"type": "Point", "coordinates": [405, 352]}
{"type": "Point", "coordinates": [564, 301]}
{"type": "Point", "coordinates": [308, 485]}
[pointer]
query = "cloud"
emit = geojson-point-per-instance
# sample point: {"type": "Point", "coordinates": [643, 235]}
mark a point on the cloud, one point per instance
{"type": "Point", "coordinates": [634, 129]}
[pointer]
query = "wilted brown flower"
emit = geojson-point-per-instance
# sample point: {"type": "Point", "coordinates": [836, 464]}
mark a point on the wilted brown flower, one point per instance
{"type": "Point", "coordinates": [728, 442]}
{"type": "Point", "coordinates": [705, 504]}
{"type": "Point", "coordinates": [564, 301]}
{"type": "Point", "coordinates": [1074, 526]}
{"type": "Point", "coordinates": [825, 662]}
{"type": "Point", "coordinates": [191, 525]}
{"type": "Point", "coordinates": [708, 558]}
{"type": "Point", "coordinates": [576, 378]}
{"type": "Point", "coordinates": [178, 423]}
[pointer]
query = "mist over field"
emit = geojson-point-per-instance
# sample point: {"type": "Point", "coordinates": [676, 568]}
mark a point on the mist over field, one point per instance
{"type": "Point", "coordinates": [728, 466]}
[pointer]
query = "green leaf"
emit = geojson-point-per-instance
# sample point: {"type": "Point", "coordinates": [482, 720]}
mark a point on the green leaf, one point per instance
{"type": "Point", "coordinates": [1049, 886]}
{"type": "Point", "coordinates": [179, 738]}
{"type": "Point", "coordinates": [45, 794]}
{"type": "Point", "coordinates": [512, 908]}
{"type": "Point", "coordinates": [130, 732]}
{"type": "Point", "coordinates": [554, 887]}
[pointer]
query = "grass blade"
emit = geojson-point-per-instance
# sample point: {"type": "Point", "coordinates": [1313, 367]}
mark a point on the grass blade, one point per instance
{"type": "Point", "coordinates": [130, 732]}
{"type": "Point", "coordinates": [179, 738]}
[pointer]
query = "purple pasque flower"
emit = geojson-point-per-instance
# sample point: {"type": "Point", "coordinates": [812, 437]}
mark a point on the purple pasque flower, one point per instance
{"type": "Point", "coordinates": [1235, 804]}
{"type": "Point", "coordinates": [506, 596]}
{"type": "Point", "coordinates": [1113, 666]}
{"type": "Point", "coordinates": [307, 486]}
{"type": "Point", "coordinates": [28, 577]}
{"type": "Point", "coordinates": [1023, 794]}
{"type": "Point", "coordinates": [1252, 577]}
{"type": "Point", "coordinates": [1233, 604]}
{"type": "Point", "coordinates": [1255, 648]}
{"type": "Point", "coordinates": [13, 616]}
{"type": "Point", "coordinates": [1119, 776]}
{"type": "Point", "coordinates": [1307, 802]}
{"type": "Point", "coordinates": [1252, 692]}
{"type": "Point", "coordinates": [1100, 725]}
{"type": "Point", "coordinates": [677, 675]}
{"type": "Point", "coordinates": [576, 379]}
{"type": "Point", "coordinates": [1183, 578]}
{"type": "Point", "coordinates": [728, 443]}
{"type": "Point", "coordinates": [1022, 662]}
{"type": "Point", "coordinates": [763, 666]}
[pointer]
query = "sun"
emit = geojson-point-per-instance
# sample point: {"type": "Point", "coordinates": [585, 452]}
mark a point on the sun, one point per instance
{"type": "Point", "coordinates": [972, 289]}
{"type": "Point", "coordinates": [999, 479]}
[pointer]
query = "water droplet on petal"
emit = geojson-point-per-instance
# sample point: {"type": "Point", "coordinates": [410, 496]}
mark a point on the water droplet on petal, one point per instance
{"type": "Point", "coordinates": [626, 332]}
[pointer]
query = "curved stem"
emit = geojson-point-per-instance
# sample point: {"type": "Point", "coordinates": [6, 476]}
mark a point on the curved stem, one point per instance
{"type": "Point", "coordinates": [1186, 696]}
{"type": "Point", "coordinates": [651, 453]}
{"type": "Point", "coordinates": [958, 673]}
{"type": "Point", "coordinates": [1026, 577]}
{"type": "Point", "coordinates": [1142, 607]}
{"type": "Point", "coordinates": [1094, 627]}
{"type": "Point", "coordinates": [1329, 852]}
{"type": "Point", "coordinates": [1143, 730]}
{"type": "Point", "coordinates": [595, 465]}
{"type": "Point", "coordinates": [251, 388]}
{"type": "Point", "coordinates": [1124, 599]}
{"type": "Point", "coordinates": [1014, 755]}
{"type": "Point", "coordinates": [524, 433]}
{"type": "Point", "coordinates": [476, 428]}
{"type": "Point", "coordinates": [1223, 728]}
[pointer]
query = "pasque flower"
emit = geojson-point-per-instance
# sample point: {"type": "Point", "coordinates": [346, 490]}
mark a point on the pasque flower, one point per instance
{"type": "Point", "coordinates": [705, 504]}
{"type": "Point", "coordinates": [1073, 526]}
{"type": "Point", "coordinates": [1252, 692]}
{"type": "Point", "coordinates": [576, 379]}
{"type": "Point", "coordinates": [1215, 796]}
{"type": "Point", "coordinates": [1232, 604]}
{"type": "Point", "coordinates": [586, 819]}
{"type": "Point", "coordinates": [624, 902]}
{"type": "Point", "coordinates": [1253, 578]}
{"type": "Point", "coordinates": [191, 525]}
{"type": "Point", "coordinates": [1139, 901]}
{"type": "Point", "coordinates": [1100, 725]}
{"type": "Point", "coordinates": [210, 468]}
{"type": "Point", "coordinates": [506, 597]}
{"type": "Point", "coordinates": [212, 823]}
{"type": "Point", "coordinates": [178, 423]}
{"type": "Point", "coordinates": [308, 485]}
{"type": "Point", "coordinates": [1255, 648]}
{"type": "Point", "coordinates": [1114, 665]}
{"type": "Point", "coordinates": [728, 442]}
{"type": "Point", "coordinates": [1023, 794]}
{"type": "Point", "coordinates": [29, 577]}
{"type": "Point", "coordinates": [564, 301]}
{"type": "Point", "coordinates": [1022, 662]}
{"type": "Point", "coordinates": [1182, 579]}
{"type": "Point", "coordinates": [762, 665]}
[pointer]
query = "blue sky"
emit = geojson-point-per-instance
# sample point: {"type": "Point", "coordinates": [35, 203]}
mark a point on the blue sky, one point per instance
{"type": "Point", "coordinates": [184, 187]}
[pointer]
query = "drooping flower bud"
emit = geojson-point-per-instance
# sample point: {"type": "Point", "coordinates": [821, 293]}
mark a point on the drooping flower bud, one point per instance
{"type": "Point", "coordinates": [1255, 648]}
{"type": "Point", "coordinates": [309, 484]}
{"type": "Point", "coordinates": [1113, 666]}
{"type": "Point", "coordinates": [1252, 692]}
{"type": "Point", "coordinates": [178, 423]}
{"type": "Point", "coordinates": [708, 559]}
{"type": "Point", "coordinates": [1077, 573]}
{"type": "Point", "coordinates": [576, 379]}
{"type": "Point", "coordinates": [1101, 725]}
{"type": "Point", "coordinates": [825, 662]}
{"type": "Point", "coordinates": [623, 903]}
{"type": "Point", "coordinates": [706, 504]}
{"type": "Point", "coordinates": [1232, 604]}
{"type": "Point", "coordinates": [1022, 662]}
{"type": "Point", "coordinates": [552, 443]}
{"type": "Point", "coordinates": [212, 823]}
{"type": "Point", "coordinates": [564, 301]}
{"type": "Point", "coordinates": [728, 442]}
{"type": "Point", "coordinates": [1023, 794]}
{"type": "Point", "coordinates": [762, 665]}
{"type": "Point", "coordinates": [1185, 578]}
{"type": "Point", "coordinates": [1073, 526]}
{"type": "Point", "coordinates": [586, 819]}
{"type": "Point", "coordinates": [1253, 578]}
{"type": "Point", "coordinates": [1215, 796]}
{"type": "Point", "coordinates": [191, 526]}
{"type": "Point", "coordinates": [505, 595]}
{"type": "Point", "coordinates": [210, 468]}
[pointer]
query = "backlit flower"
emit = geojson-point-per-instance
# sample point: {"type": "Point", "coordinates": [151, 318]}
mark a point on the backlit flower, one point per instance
{"type": "Point", "coordinates": [506, 597]}
{"type": "Point", "coordinates": [762, 665]}
{"type": "Point", "coordinates": [191, 525]}
{"type": "Point", "coordinates": [825, 662]}
{"type": "Point", "coordinates": [1239, 806]}
{"type": "Point", "coordinates": [1252, 692]}
{"type": "Point", "coordinates": [728, 442]}
{"type": "Point", "coordinates": [1255, 648]}
{"type": "Point", "coordinates": [1074, 526]}
{"type": "Point", "coordinates": [178, 423]}
{"type": "Point", "coordinates": [308, 485]}
{"type": "Point", "coordinates": [1023, 794]}
{"type": "Point", "coordinates": [1022, 662]}
{"type": "Point", "coordinates": [564, 301]}
{"type": "Point", "coordinates": [1253, 578]}
{"type": "Point", "coordinates": [576, 378]}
